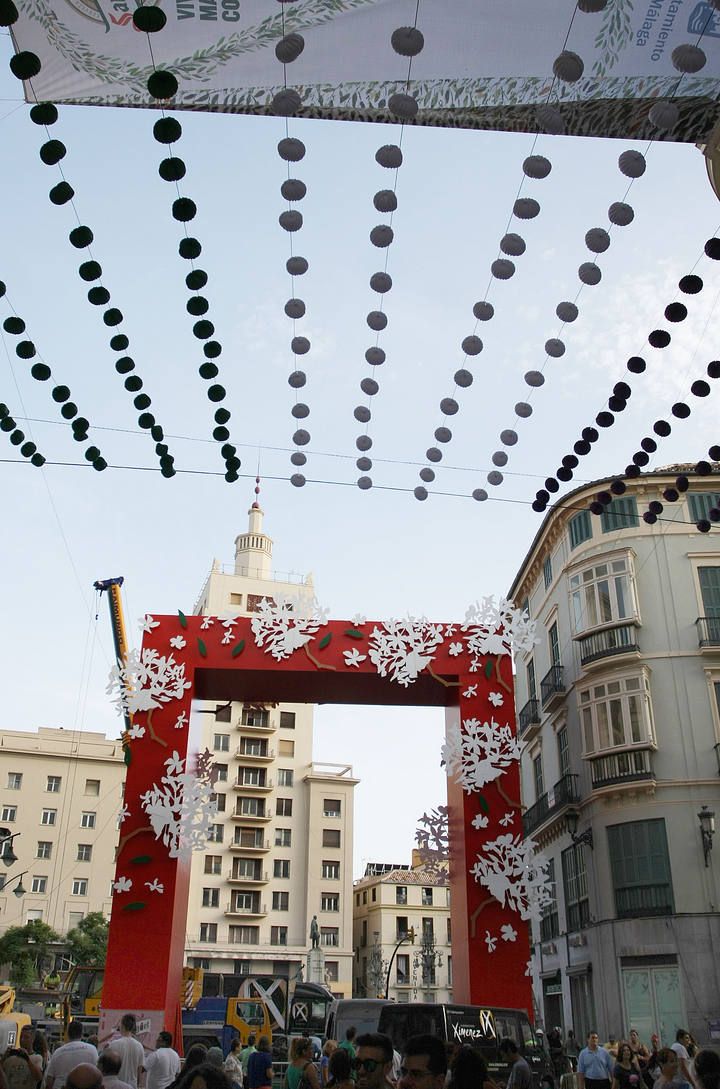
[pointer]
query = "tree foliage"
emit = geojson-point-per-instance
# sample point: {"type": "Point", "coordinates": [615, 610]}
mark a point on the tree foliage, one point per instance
{"type": "Point", "coordinates": [25, 949]}
{"type": "Point", "coordinates": [87, 942]}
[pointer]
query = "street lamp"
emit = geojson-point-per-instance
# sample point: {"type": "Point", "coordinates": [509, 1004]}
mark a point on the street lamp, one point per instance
{"type": "Point", "coordinates": [409, 937]}
{"type": "Point", "coordinates": [707, 831]}
{"type": "Point", "coordinates": [427, 958]}
{"type": "Point", "coordinates": [19, 889]}
{"type": "Point", "coordinates": [571, 823]}
{"type": "Point", "coordinates": [7, 854]}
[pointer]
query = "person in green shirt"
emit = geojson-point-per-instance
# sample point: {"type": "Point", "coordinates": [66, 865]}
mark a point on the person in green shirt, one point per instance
{"type": "Point", "coordinates": [245, 1058]}
{"type": "Point", "coordinates": [348, 1044]}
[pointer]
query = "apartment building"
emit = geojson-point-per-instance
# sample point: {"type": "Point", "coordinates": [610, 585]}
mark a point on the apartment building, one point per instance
{"type": "Point", "coordinates": [281, 848]}
{"type": "Point", "coordinates": [391, 902]}
{"type": "Point", "coordinates": [60, 794]}
{"type": "Point", "coordinates": [619, 715]}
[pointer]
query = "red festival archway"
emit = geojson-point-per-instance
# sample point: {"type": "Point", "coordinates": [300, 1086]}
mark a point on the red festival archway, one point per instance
{"type": "Point", "coordinates": [291, 652]}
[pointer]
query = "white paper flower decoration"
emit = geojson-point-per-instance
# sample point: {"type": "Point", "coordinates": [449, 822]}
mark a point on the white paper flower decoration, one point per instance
{"type": "Point", "coordinates": [353, 657]}
{"type": "Point", "coordinates": [177, 642]}
{"type": "Point", "coordinates": [470, 691]}
{"type": "Point", "coordinates": [508, 933]}
{"type": "Point", "coordinates": [479, 821]}
{"type": "Point", "coordinates": [496, 699]}
{"type": "Point", "coordinates": [147, 623]}
{"type": "Point", "coordinates": [136, 732]}
{"type": "Point", "coordinates": [123, 884]}
{"type": "Point", "coordinates": [490, 941]}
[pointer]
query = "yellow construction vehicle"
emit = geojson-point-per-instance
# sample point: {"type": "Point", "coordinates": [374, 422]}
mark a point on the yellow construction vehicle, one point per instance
{"type": "Point", "coordinates": [11, 1023]}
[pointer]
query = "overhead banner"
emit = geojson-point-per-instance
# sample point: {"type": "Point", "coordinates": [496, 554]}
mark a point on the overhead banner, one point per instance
{"type": "Point", "coordinates": [485, 63]}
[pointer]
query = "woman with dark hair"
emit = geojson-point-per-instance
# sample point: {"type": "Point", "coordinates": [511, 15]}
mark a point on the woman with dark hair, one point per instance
{"type": "Point", "coordinates": [203, 1076]}
{"type": "Point", "coordinates": [260, 1071]}
{"type": "Point", "coordinates": [340, 1070]}
{"type": "Point", "coordinates": [196, 1056]}
{"type": "Point", "coordinates": [626, 1072]}
{"type": "Point", "coordinates": [707, 1069]}
{"type": "Point", "coordinates": [233, 1066]}
{"type": "Point", "coordinates": [40, 1048]}
{"type": "Point", "coordinates": [469, 1070]}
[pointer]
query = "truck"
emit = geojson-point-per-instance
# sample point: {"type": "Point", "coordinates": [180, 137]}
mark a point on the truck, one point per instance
{"type": "Point", "coordinates": [11, 1023]}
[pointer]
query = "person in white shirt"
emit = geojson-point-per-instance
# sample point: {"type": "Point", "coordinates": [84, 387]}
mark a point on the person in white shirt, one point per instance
{"type": "Point", "coordinates": [162, 1066]}
{"type": "Point", "coordinates": [682, 1039]}
{"type": "Point", "coordinates": [66, 1057]}
{"type": "Point", "coordinates": [109, 1065]}
{"type": "Point", "coordinates": [130, 1050]}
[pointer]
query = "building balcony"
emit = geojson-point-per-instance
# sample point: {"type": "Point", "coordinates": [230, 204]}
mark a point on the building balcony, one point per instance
{"type": "Point", "coordinates": [260, 878]}
{"type": "Point", "coordinates": [260, 848]}
{"type": "Point", "coordinates": [254, 788]}
{"type": "Point", "coordinates": [255, 757]}
{"type": "Point", "coordinates": [235, 911]}
{"type": "Point", "coordinates": [549, 808]}
{"type": "Point", "coordinates": [623, 770]}
{"type": "Point", "coordinates": [251, 818]}
{"type": "Point", "coordinates": [256, 730]}
{"type": "Point", "coordinates": [640, 901]}
{"type": "Point", "coordinates": [552, 688]}
{"type": "Point", "coordinates": [708, 629]}
{"type": "Point", "coordinates": [529, 719]}
{"type": "Point", "coordinates": [607, 643]}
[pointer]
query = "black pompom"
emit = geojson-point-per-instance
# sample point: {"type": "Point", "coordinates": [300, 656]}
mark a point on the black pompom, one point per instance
{"type": "Point", "coordinates": [641, 458]}
{"type": "Point", "coordinates": [61, 193]}
{"type": "Point", "coordinates": [681, 410]}
{"type": "Point", "coordinates": [196, 279]}
{"type": "Point", "coordinates": [662, 428]}
{"type": "Point", "coordinates": [184, 209]}
{"type": "Point", "coordinates": [43, 113]}
{"type": "Point", "coordinates": [712, 248]}
{"type": "Point", "coordinates": [162, 85]}
{"type": "Point", "coordinates": [90, 270]}
{"type": "Point", "coordinates": [596, 507]}
{"type": "Point", "coordinates": [676, 311]}
{"type": "Point", "coordinates": [704, 526]}
{"type": "Point", "coordinates": [618, 487]}
{"type": "Point", "coordinates": [703, 468]}
{"type": "Point", "coordinates": [636, 364]}
{"type": "Point", "coordinates": [655, 506]}
{"type": "Point", "coordinates": [690, 284]}
{"type": "Point", "coordinates": [590, 434]}
{"type": "Point", "coordinates": [671, 495]}
{"type": "Point", "coordinates": [659, 338]}
{"type": "Point", "coordinates": [700, 388]}
{"type": "Point", "coordinates": [167, 130]}
{"type": "Point", "coordinates": [551, 484]}
{"type": "Point", "coordinates": [149, 18]}
{"type": "Point", "coordinates": [604, 419]}
{"type": "Point", "coordinates": [172, 169]}
{"type": "Point", "coordinates": [80, 237]}
{"type": "Point", "coordinates": [649, 445]}
{"type": "Point", "coordinates": [26, 65]}
{"type": "Point", "coordinates": [189, 248]}
{"type": "Point", "coordinates": [52, 151]}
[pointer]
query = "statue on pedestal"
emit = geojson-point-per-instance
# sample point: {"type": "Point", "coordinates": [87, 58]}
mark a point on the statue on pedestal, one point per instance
{"type": "Point", "coordinates": [315, 933]}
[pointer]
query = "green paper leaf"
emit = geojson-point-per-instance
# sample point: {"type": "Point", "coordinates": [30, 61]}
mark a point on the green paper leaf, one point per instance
{"type": "Point", "coordinates": [238, 649]}
{"type": "Point", "coordinates": [202, 648]}
{"type": "Point", "coordinates": [325, 641]}
{"type": "Point", "coordinates": [183, 619]}
{"type": "Point", "coordinates": [139, 860]}
{"type": "Point", "coordinates": [484, 804]}
{"type": "Point", "coordinates": [488, 668]}
{"type": "Point", "coordinates": [135, 905]}
{"type": "Point", "coordinates": [353, 633]}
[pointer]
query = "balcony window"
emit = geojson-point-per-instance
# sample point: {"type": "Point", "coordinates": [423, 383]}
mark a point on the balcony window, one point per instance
{"type": "Point", "coordinates": [602, 594]}
{"type": "Point", "coordinates": [563, 751]}
{"type": "Point", "coordinates": [640, 868]}
{"type": "Point", "coordinates": [538, 778]}
{"type": "Point", "coordinates": [580, 527]}
{"type": "Point", "coordinates": [549, 923]}
{"type": "Point", "coordinates": [427, 898]}
{"type": "Point", "coordinates": [616, 714]}
{"type": "Point", "coordinates": [577, 905]}
{"type": "Point", "coordinates": [243, 935]}
{"type": "Point", "coordinates": [247, 902]}
{"type": "Point", "coordinates": [247, 869]}
{"type": "Point", "coordinates": [330, 870]}
{"type": "Point", "coordinates": [330, 901]}
{"type": "Point", "coordinates": [329, 936]}
{"type": "Point", "coordinates": [401, 894]}
{"type": "Point", "coordinates": [253, 717]}
{"type": "Point", "coordinates": [428, 928]}
{"type": "Point", "coordinates": [221, 773]}
{"type": "Point", "coordinates": [208, 932]}
{"type": "Point", "coordinates": [620, 514]}
{"type": "Point", "coordinates": [401, 926]}
{"type": "Point", "coordinates": [250, 807]}
{"type": "Point", "coordinates": [547, 571]}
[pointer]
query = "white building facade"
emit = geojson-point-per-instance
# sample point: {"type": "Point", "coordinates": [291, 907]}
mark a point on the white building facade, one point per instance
{"type": "Point", "coordinates": [618, 712]}
{"type": "Point", "coordinates": [394, 903]}
{"type": "Point", "coordinates": [283, 839]}
{"type": "Point", "coordinates": [60, 795]}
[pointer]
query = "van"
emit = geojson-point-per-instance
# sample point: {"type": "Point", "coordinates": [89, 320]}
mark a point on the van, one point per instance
{"type": "Point", "coordinates": [362, 1013]}
{"type": "Point", "coordinates": [480, 1026]}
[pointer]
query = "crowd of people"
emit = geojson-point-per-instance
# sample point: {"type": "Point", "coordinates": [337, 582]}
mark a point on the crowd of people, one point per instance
{"type": "Point", "coordinates": [368, 1061]}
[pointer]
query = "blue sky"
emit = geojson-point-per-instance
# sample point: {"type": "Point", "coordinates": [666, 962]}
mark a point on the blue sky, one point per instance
{"type": "Point", "coordinates": [381, 552]}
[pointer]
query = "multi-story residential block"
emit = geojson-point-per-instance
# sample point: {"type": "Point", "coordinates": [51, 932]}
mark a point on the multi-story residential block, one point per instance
{"type": "Point", "coordinates": [619, 717]}
{"type": "Point", "coordinates": [282, 844]}
{"type": "Point", "coordinates": [60, 795]}
{"type": "Point", "coordinates": [390, 902]}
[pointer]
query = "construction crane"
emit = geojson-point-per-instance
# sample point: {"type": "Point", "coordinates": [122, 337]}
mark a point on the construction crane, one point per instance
{"type": "Point", "coordinates": [117, 623]}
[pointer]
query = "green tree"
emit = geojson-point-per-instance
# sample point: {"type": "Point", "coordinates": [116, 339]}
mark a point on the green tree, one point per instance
{"type": "Point", "coordinates": [25, 949]}
{"type": "Point", "coordinates": [87, 942]}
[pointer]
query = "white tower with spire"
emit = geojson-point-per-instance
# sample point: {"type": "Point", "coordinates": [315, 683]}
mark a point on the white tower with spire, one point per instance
{"type": "Point", "coordinates": [281, 846]}
{"type": "Point", "coordinates": [253, 550]}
